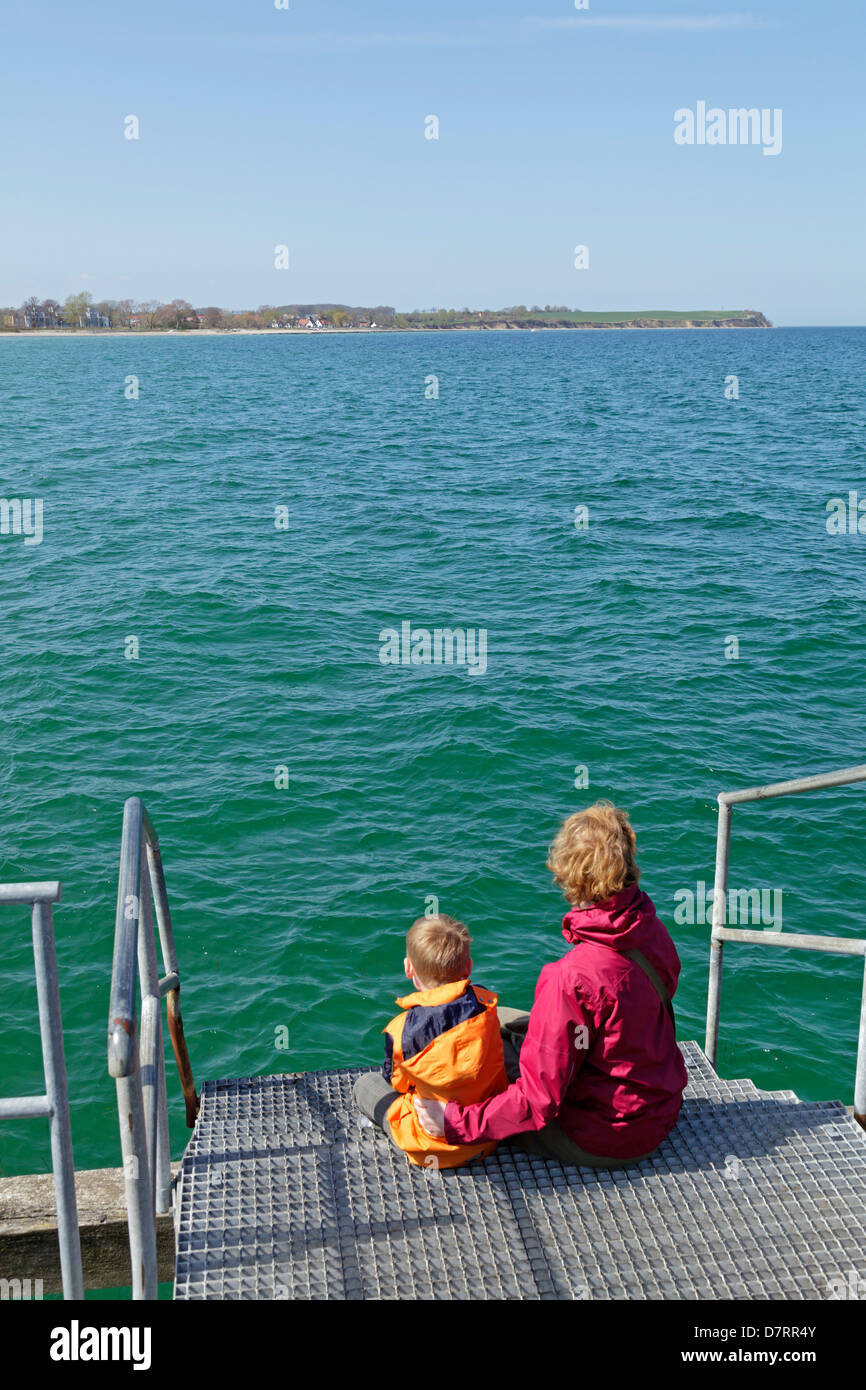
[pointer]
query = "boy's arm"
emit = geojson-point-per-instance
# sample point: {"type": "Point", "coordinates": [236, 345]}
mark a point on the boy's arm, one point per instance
{"type": "Point", "coordinates": [392, 1071]}
{"type": "Point", "coordinates": [561, 1028]}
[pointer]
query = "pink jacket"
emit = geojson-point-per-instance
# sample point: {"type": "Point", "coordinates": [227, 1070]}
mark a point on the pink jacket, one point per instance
{"type": "Point", "coordinates": [600, 1055]}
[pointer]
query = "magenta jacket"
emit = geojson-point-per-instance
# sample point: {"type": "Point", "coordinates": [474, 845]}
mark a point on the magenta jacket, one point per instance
{"type": "Point", "coordinates": [600, 1055]}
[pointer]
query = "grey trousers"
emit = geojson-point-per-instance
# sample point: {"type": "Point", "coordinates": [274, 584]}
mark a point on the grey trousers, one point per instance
{"type": "Point", "coordinates": [374, 1097]}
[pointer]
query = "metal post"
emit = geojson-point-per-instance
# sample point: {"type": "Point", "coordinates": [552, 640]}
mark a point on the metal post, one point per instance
{"type": "Point", "coordinates": [139, 1188]}
{"type": "Point", "coordinates": [860, 1078]}
{"type": "Point", "coordinates": [720, 900]}
{"type": "Point", "coordinates": [153, 1060]}
{"type": "Point", "coordinates": [123, 980]}
{"type": "Point", "coordinates": [150, 1010]}
{"type": "Point", "coordinates": [54, 1062]}
{"type": "Point", "coordinates": [163, 1155]}
{"type": "Point", "coordinates": [160, 898]}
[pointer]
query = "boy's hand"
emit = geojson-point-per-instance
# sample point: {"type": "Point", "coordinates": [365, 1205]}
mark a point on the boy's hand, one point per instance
{"type": "Point", "coordinates": [431, 1116]}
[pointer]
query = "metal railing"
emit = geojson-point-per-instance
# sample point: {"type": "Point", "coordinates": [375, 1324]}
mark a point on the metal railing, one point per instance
{"type": "Point", "coordinates": [845, 946]}
{"type": "Point", "coordinates": [54, 1104]}
{"type": "Point", "coordinates": [137, 1061]}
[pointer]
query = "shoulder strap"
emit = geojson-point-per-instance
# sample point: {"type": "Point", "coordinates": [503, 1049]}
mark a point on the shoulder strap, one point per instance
{"type": "Point", "coordinates": [655, 980]}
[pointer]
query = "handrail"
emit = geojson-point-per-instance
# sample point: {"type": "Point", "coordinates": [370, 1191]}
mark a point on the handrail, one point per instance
{"type": "Point", "coordinates": [849, 946]}
{"type": "Point", "coordinates": [54, 1104]}
{"type": "Point", "coordinates": [137, 1062]}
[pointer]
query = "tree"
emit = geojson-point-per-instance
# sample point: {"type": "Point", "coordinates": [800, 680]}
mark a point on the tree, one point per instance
{"type": "Point", "coordinates": [123, 311]}
{"type": "Point", "coordinates": [148, 309]}
{"type": "Point", "coordinates": [75, 309]}
{"type": "Point", "coordinates": [174, 315]}
{"type": "Point", "coordinates": [185, 314]}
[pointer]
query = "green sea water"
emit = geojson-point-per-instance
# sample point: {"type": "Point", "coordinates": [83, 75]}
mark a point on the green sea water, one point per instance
{"type": "Point", "coordinates": [259, 648]}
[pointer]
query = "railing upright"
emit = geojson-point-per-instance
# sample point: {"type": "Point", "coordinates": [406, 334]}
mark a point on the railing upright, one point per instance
{"type": "Point", "coordinates": [54, 1104]}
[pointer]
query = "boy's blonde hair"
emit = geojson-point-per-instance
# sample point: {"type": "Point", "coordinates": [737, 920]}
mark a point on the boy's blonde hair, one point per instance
{"type": "Point", "coordinates": [438, 948]}
{"type": "Point", "coordinates": [592, 857]}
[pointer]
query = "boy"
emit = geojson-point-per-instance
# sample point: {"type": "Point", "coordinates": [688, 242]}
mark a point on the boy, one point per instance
{"type": "Point", "coordinates": [446, 1046]}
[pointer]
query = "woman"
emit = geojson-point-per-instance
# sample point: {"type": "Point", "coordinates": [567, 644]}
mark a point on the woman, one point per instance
{"type": "Point", "coordinates": [600, 1075]}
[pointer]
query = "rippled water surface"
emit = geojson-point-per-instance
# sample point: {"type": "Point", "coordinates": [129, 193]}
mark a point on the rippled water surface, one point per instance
{"type": "Point", "coordinates": [259, 647]}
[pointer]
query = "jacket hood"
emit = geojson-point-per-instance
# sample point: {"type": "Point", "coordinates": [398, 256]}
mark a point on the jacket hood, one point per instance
{"type": "Point", "coordinates": [431, 998]}
{"type": "Point", "coordinates": [621, 921]}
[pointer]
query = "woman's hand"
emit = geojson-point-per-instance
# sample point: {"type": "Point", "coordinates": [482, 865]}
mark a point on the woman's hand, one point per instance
{"type": "Point", "coordinates": [431, 1116]}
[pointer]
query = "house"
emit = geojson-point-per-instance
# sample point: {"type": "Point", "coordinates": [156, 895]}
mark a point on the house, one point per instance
{"type": "Point", "coordinates": [33, 318]}
{"type": "Point", "coordinates": [46, 316]}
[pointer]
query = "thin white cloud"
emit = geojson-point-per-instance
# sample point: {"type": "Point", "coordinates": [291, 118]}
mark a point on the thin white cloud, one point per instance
{"type": "Point", "coordinates": [670, 22]}
{"type": "Point", "coordinates": [481, 34]}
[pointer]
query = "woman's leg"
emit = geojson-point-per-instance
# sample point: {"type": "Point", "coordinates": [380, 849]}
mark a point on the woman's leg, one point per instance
{"type": "Point", "coordinates": [553, 1142]}
{"type": "Point", "coordinates": [374, 1098]}
{"type": "Point", "coordinates": [512, 1025]}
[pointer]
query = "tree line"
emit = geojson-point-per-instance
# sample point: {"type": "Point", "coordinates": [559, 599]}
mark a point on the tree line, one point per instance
{"type": "Point", "coordinates": [81, 311]}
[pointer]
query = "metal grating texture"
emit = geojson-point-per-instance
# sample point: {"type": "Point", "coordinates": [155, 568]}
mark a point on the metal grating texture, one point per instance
{"type": "Point", "coordinates": [285, 1192]}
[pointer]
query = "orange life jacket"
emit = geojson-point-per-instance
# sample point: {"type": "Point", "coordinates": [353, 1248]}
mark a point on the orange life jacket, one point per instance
{"type": "Point", "coordinates": [446, 1046]}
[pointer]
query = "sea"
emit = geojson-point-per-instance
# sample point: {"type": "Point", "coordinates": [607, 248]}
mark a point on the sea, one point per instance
{"type": "Point", "coordinates": [652, 537]}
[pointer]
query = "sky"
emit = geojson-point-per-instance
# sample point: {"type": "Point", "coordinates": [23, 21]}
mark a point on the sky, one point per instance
{"type": "Point", "coordinates": [306, 127]}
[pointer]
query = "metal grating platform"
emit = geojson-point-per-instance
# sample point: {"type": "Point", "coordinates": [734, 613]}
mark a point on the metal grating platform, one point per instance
{"type": "Point", "coordinates": [285, 1192]}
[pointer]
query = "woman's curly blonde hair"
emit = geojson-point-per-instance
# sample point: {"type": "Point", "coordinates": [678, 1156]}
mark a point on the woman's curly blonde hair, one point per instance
{"type": "Point", "coordinates": [592, 857]}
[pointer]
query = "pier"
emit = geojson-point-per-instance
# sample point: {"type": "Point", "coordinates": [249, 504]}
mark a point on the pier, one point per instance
{"type": "Point", "coordinates": [286, 1192]}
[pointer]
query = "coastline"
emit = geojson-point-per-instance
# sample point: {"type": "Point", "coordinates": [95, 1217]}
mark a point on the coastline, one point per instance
{"type": "Point", "coordinates": [363, 332]}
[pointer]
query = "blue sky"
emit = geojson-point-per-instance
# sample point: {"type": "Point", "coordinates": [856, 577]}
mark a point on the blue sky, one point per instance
{"type": "Point", "coordinates": [305, 127]}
